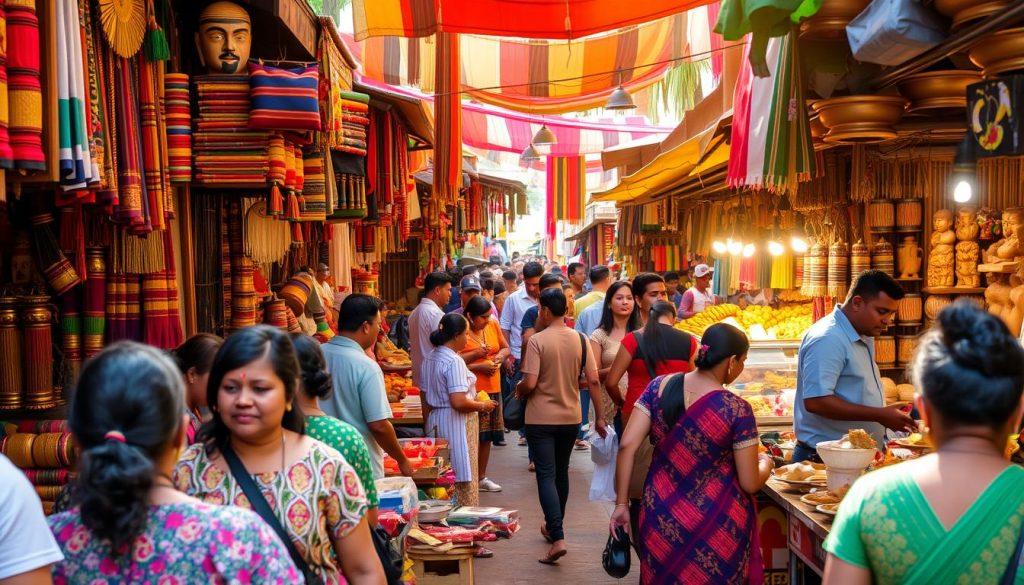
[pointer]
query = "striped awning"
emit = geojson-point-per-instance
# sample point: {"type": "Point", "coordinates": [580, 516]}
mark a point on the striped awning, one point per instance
{"type": "Point", "coordinates": [550, 76]}
{"type": "Point", "coordinates": [532, 19]}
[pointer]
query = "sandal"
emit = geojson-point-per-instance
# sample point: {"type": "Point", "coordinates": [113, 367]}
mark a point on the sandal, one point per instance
{"type": "Point", "coordinates": [552, 559]}
{"type": "Point", "coordinates": [483, 553]}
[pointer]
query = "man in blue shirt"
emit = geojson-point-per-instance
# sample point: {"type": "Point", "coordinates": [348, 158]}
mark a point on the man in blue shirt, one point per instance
{"type": "Point", "coordinates": [358, 396]}
{"type": "Point", "coordinates": [838, 384]}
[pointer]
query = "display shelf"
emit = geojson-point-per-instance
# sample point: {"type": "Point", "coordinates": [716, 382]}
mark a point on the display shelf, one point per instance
{"type": "Point", "coordinates": [953, 290]}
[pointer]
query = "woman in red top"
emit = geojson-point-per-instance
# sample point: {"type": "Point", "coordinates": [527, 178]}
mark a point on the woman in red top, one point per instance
{"type": "Point", "coordinates": [656, 350]}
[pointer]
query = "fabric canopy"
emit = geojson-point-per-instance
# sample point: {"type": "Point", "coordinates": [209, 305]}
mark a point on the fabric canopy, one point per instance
{"type": "Point", "coordinates": [547, 77]}
{"type": "Point", "coordinates": [490, 128]}
{"type": "Point", "coordinates": [533, 19]}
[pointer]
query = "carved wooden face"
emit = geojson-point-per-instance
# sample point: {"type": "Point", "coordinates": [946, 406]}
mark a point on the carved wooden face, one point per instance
{"type": "Point", "coordinates": [224, 38]}
{"type": "Point", "coordinates": [1011, 222]}
{"type": "Point", "coordinates": [942, 220]}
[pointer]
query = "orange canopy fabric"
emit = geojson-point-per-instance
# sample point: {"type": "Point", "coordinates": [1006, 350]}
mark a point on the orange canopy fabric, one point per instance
{"type": "Point", "coordinates": [534, 19]}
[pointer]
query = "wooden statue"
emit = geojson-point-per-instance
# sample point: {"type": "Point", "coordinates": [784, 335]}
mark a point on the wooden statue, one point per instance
{"type": "Point", "coordinates": [224, 38]}
{"type": "Point", "coordinates": [940, 259]}
{"type": "Point", "coordinates": [968, 252]}
{"type": "Point", "coordinates": [910, 259]}
{"type": "Point", "coordinates": [1005, 295]}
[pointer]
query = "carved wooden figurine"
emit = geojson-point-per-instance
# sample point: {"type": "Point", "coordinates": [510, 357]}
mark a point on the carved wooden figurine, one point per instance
{"type": "Point", "coordinates": [940, 259]}
{"type": "Point", "coordinates": [968, 252]}
{"type": "Point", "coordinates": [910, 259]}
{"type": "Point", "coordinates": [1002, 295]}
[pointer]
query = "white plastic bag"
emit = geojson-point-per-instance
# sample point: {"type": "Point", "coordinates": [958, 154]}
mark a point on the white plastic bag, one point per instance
{"type": "Point", "coordinates": [603, 453]}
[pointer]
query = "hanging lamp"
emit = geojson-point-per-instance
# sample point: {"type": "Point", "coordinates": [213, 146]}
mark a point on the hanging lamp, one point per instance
{"type": "Point", "coordinates": [620, 100]}
{"type": "Point", "coordinates": [544, 136]}
{"type": "Point", "coordinates": [965, 165]}
{"type": "Point", "coordinates": [530, 154]}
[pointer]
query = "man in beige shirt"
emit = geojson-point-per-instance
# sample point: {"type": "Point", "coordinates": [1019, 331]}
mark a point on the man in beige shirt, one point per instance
{"type": "Point", "coordinates": [555, 360]}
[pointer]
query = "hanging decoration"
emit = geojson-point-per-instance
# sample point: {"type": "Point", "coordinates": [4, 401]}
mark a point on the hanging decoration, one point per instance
{"type": "Point", "coordinates": [124, 24]}
{"type": "Point", "coordinates": [567, 180]}
{"type": "Point", "coordinates": [448, 142]}
{"type": "Point", "coordinates": [25, 92]}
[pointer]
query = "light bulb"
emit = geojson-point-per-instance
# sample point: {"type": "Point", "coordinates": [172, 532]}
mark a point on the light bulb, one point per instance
{"type": "Point", "coordinates": [776, 249]}
{"type": "Point", "coordinates": [749, 250]}
{"type": "Point", "coordinates": [735, 247]}
{"type": "Point", "coordinates": [798, 244]}
{"type": "Point", "coordinates": [719, 248]}
{"type": "Point", "coordinates": [962, 193]}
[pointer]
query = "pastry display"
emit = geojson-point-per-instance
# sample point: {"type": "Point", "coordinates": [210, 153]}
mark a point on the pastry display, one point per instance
{"type": "Point", "coordinates": [825, 496]}
{"type": "Point", "coordinates": [968, 252]}
{"type": "Point", "coordinates": [889, 390]}
{"type": "Point", "coordinates": [801, 472]}
{"type": "Point", "coordinates": [940, 258]}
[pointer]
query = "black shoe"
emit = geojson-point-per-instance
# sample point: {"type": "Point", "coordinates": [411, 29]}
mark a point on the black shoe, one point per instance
{"type": "Point", "coordinates": [500, 443]}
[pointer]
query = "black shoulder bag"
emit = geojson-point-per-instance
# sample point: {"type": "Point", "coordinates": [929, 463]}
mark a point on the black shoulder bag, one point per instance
{"type": "Point", "coordinates": [513, 410]}
{"type": "Point", "coordinates": [260, 506]}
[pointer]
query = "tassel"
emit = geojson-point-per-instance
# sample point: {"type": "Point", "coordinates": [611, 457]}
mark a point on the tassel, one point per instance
{"type": "Point", "coordinates": [292, 214]}
{"type": "Point", "coordinates": [297, 234]}
{"type": "Point", "coordinates": [276, 206]}
{"type": "Point", "coordinates": [155, 44]}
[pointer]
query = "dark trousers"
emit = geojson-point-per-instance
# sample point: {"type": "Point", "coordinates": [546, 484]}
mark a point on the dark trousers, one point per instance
{"type": "Point", "coordinates": [552, 446]}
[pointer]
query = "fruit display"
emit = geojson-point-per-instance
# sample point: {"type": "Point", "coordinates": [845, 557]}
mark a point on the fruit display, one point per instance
{"type": "Point", "coordinates": [397, 386]}
{"type": "Point", "coordinates": [759, 323]}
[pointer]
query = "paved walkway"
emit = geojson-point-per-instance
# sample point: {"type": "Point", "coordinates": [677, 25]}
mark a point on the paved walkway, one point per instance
{"type": "Point", "coordinates": [586, 526]}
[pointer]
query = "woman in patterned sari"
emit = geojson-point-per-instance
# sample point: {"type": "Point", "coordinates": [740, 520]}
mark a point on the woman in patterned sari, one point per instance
{"type": "Point", "coordinates": [954, 516]}
{"type": "Point", "coordinates": [697, 517]}
{"type": "Point", "coordinates": [314, 493]}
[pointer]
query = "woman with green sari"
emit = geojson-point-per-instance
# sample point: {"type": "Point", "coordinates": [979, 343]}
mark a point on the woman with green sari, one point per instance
{"type": "Point", "coordinates": [954, 516]}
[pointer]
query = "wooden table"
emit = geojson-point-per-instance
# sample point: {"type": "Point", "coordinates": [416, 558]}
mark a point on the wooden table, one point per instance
{"type": "Point", "coordinates": [408, 421]}
{"type": "Point", "coordinates": [808, 529]}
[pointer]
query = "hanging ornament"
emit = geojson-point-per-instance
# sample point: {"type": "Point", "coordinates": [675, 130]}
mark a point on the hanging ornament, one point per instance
{"type": "Point", "coordinates": [124, 25]}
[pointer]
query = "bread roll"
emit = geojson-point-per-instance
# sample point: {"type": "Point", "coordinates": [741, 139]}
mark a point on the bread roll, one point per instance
{"type": "Point", "coordinates": [906, 392]}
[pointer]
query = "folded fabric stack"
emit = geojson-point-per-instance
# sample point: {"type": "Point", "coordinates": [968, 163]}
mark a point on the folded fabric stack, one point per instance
{"type": "Point", "coordinates": [314, 197]}
{"type": "Point", "coordinates": [179, 127]}
{"type": "Point", "coordinates": [355, 109]}
{"type": "Point", "coordinates": [225, 151]}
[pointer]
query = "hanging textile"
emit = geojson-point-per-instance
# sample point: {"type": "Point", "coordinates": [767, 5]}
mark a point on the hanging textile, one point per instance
{"type": "Point", "coordinates": [25, 92]}
{"type": "Point", "coordinates": [153, 146]}
{"type": "Point", "coordinates": [130, 208]}
{"type": "Point", "coordinates": [771, 140]}
{"type": "Point", "coordinates": [782, 271]}
{"type": "Point", "coordinates": [562, 76]}
{"type": "Point", "coordinates": [540, 19]}
{"type": "Point", "coordinates": [77, 170]}
{"type": "Point", "coordinates": [105, 132]}
{"type": "Point", "coordinates": [567, 180]}
{"type": "Point", "coordinates": [448, 114]}
{"type": "Point", "coordinates": [762, 19]}
{"type": "Point", "coordinates": [95, 121]}
{"type": "Point", "coordinates": [160, 311]}
{"type": "Point", "coordinates": [6, 154]}
{"type": "Point", "coordinates": [179, 127]}
{"type": "Point", "coordinates": [94, 315]}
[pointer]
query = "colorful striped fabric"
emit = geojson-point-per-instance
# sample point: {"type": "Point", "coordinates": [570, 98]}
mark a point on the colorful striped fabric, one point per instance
{"type": "Point", "coordinates": [77, 169]}
{"type": "Point", "coordinates": [538, 19]}
{"type": "Point", "coordinates": [771, 138]}
{"type": "Point", "coordinates": [179, 127]}
{"type": "Point", "coordinates": [284, 99]}
{"type": "Point", "coordinates": [547, 76]}
{"type": "Point", "coordinates": [6, 154]}
{"type": "Point", "coordinates": [567, 183]}
{"type": "Point", "coordinates": [448, 138]}
{"type": "Point", "coordinates": [25, 93]}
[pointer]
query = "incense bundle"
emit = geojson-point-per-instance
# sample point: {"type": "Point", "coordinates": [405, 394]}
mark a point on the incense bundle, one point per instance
{"type": "Point", "coordinates": [59, 272]}
{"type": "Point", "coordinates": [38, 356]}
{"type": "Point", "coordinates": [11, 376]}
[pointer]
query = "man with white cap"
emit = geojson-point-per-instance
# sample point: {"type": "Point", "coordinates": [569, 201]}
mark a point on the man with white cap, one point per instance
{"type": "Point", "coordinates": [699, 296]}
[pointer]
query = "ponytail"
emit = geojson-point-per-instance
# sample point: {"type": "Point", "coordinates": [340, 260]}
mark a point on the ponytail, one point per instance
{"type": "Point", "coordinates": [126, 411]}
{"type": "Point", "coordinates": [452, 325]}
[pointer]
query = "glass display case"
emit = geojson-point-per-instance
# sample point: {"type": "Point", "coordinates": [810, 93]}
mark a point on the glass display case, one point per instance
{"type": "Point", "coordinates": [768, 382]}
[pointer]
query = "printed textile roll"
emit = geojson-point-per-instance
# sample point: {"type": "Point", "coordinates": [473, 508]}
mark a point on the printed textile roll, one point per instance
{"type": "Point", "coordinates": [11, 375]}
{"type": "Point", "coordinates": [25, 92]}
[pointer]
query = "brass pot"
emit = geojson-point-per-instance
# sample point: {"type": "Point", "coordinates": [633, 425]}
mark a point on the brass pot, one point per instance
{"type": "Point", "coordinates": [818, 130]}
{"type": "Point", "coordinates": [938, 89]}
{"type": "Point", "coordinates": [999, 52]}
{"type": "Point", "coordinates": [964, 11]}
{"type": "Point", "coordinates": [861, 118]}
{"type": "Point", "coordinates": [830, 21]}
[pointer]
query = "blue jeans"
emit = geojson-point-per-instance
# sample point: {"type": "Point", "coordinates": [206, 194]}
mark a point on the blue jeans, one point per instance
{"type": "Point", "coordinates": [585, 407]}
{"type": "Point", "coordinates": [803, 453]}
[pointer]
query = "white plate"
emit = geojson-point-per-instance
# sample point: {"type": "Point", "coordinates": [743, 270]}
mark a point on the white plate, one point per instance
{"type": "Point", "coordinates": [825, 510]}
{"type": "Point", "coordinates": [806, 499]}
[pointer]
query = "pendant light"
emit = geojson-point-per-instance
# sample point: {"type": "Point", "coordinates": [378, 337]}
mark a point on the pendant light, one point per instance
{"type": "Point", "coordinates": [620, 100]}
{"type": "Point", "coordinates": [544, 136]}
{"type": "Point", "coordinates": [965, 165]}
{"type": "Point", "coordinates": [529, 155]}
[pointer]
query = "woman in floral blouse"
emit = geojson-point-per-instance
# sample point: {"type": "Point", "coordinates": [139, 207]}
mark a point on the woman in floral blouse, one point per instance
{"type": "Point", "coordinates": [315, 494]}
{"type": "Point", "coordinates": [127, 523]}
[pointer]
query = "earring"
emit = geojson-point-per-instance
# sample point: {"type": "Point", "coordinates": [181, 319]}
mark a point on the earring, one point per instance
{"type": "Point", "coordinates": [289, 407]}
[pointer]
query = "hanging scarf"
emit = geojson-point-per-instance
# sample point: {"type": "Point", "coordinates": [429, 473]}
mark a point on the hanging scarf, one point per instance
{"type": "Point", "coordinates": [153, 147]}
{"type": "Point", "coordinates": [76, 165]}
{"type": "Point", "coordinates": [25, 92]}
{"type": "Point", "coordinates": [129, 180]}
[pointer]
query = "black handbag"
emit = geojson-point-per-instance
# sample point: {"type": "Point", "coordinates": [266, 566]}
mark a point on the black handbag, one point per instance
{"type": "Point", "coordinates": [390, 556]}
{"type": "Point", "coordinates": [616, 556]}
{"type": "Point", "coordinates": [260, 506]}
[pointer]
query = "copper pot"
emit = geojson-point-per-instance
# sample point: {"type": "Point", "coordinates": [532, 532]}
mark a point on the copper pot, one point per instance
{"type": "Point", "coordinates": [830, 21]}
{"type": "Point", "coordinates": [999, 52]}
{"type": "Point", "coordinates": [964, 11]}
{"type": "Point", "coordinates": [938, 89]}
{"type": "Point", "coordinates": [861, 118]}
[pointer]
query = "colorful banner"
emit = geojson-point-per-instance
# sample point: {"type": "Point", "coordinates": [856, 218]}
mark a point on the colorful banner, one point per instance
{"type": "Point", "coordinates": [567, 187]}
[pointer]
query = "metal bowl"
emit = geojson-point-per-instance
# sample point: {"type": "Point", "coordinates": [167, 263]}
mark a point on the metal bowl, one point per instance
{"type": "Point", "coordinates": [938, 89]}
{"type": "Point", "coordinates": [860, 118]}
{"type": "Point", "coordinates": [830, 21]}
{"type": "Point", "coordinates": [963, 11]}
{"type": "Point", "coordinates": [999, 52]}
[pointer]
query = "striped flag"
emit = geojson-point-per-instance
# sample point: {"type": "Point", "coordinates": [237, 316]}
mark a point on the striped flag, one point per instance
{"type": "Point", "coordinates": [567, 187]}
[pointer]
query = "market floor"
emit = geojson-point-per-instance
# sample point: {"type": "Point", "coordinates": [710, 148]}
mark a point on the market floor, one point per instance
{"type": "Point", "coordinates": [586, 525]}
